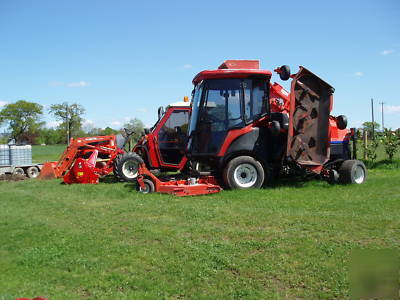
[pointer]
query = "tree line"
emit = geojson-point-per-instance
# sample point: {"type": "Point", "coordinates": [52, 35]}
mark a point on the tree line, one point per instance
{"type": "Point", "coordinates": [25, 125]}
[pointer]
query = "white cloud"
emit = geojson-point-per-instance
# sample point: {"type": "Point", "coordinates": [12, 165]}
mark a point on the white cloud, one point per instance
{"type": "Point", "coordinates": [392, 109]}
{"type": "Point", "coordinates": [115, 123]}
{"type": "Point", "coordinates": [387, 52]}
{"type": "Point", "coordinates": [88, 122]}
{"type": "Point", "coordinates": [127, 119]}
{"type": "Point", "coordinates": [2, 103]}
{"type": "Point", "coordinates": [141, 110]}
{"type": "Point", "coordinates": [187, 66]}
{"type": "Point", "coordinates": [70, 84]}
{"type": "Point", "coordinates": [358, 74]}
{"type": "Point", "coordinates": [78, 84]}
{"type": "Point", "coordinates": [52, 124]}
{"type": "Point", "coordinates": [56, 83]}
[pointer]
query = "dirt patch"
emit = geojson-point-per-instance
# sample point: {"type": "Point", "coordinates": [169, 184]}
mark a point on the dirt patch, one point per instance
{"type": "Point", "coordinates": [12, 177]}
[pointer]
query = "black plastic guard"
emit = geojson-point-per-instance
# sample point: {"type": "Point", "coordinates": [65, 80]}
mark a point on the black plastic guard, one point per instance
{"type": "Point", "coordinates": [310, 105]}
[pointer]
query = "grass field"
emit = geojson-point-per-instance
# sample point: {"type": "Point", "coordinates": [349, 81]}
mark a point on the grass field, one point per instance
{"type": "Point", "coordinates": [107, 241]}
{"type": "Point", "coordinates": [42, 154]}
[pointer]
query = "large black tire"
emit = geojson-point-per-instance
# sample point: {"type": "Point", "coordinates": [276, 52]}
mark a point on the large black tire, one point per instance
{"type": "Point", "coordinates": [243, 172]}
{"type": "Point", "coordinates": [149, 187]}
{"type": "Point", "coordinates": [126, 166]}
{"type": "Point", "coordinates": [352, 171]}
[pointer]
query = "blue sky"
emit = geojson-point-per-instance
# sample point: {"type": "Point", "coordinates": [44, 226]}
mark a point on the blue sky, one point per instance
{"type": "Point", "coordinates": [123, 59]}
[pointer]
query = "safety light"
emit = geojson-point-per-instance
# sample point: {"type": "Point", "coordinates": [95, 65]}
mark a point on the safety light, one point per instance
{"type": "Point", "coordinates": [185, 99]}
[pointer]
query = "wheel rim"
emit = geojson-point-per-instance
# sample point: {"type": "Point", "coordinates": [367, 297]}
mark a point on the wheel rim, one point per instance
{"type": "Point", "coordinates": [245, 175]}
{"type": "Point", "coordinates": [130, 169]}
{"type": "Point", "coordinates": [33, 172]}
{"type": "Point", "coordinates": [18, 171]}
{"type": "Point", "coordinates": [145, 190]}
{"type": "Point", "coordinates": [359, 174]}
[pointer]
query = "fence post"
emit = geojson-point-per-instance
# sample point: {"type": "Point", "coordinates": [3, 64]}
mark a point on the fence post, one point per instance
{"type": "Point", "coordinates": [365, 142]}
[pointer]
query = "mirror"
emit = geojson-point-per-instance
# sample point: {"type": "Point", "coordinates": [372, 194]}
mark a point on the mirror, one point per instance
{"type": "Point", "coordinates": [160, 112]}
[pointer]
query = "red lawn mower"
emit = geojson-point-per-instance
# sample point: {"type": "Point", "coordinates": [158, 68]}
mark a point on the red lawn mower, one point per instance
{"type": "Point", "coordinates": [248, 131]}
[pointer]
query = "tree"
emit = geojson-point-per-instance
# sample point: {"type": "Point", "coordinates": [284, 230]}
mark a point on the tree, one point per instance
{"type": "Point", "coordinates": [367, 126]}
{"type": "Point", "coordinates": [109, 131]}
{"type": "Point", "coordinates": [70, 116]}
{"type": "Point", "coordinates": [23, 119]}
{"type": "Point", "coordinates": [391, 142]}
{"type": "Point", "coordinates": [136, 126]}
{"type": "Point", "coordinates": [50, 136]}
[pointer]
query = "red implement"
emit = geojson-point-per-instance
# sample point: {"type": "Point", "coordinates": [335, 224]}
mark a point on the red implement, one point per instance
{"type": "Point", "coordinates": [83, 171]}
{"type": "Point", "coordinates": [187, 187]}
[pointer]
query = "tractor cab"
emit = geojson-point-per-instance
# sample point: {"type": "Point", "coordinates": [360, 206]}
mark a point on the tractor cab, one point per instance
{"type": "Point", "coordinates": [247, 129]}
{"type": "Point", "coordinates": [163, 145]}
{"type": "Point", "coordinates": [226, 100]}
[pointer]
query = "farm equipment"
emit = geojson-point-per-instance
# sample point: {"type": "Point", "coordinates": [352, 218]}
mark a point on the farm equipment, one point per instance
{"type": "Point", "coordinates": [17, 160]}
{"type": "Point", "coordinates": [248, 131]}
{"type": "Point", "coordinates": [162, 147]}
{"type": "Point", "coordinates": [86, 159]}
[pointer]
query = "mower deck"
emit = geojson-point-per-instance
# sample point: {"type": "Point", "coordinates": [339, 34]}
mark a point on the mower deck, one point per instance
{"type": "Point", "coordinates": [148, 183]}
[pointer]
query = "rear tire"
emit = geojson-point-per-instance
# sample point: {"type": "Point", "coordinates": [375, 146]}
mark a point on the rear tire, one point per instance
{"type": "Point", "coordinates": [126, 166]}
{"type": "Point", "coordinates": [352, 171]}
{"type": "Point", "coordinates": [149, 187]}
{"type": "Point", "coordinates": [32, 172]}
{"type": "Point", "coordinates": [243, 172]}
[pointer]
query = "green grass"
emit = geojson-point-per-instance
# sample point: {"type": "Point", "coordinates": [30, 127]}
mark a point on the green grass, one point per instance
{"type": "Point", "coordinates": [41, 154]}
{"type": "Point", "coordinates": [107, 241]}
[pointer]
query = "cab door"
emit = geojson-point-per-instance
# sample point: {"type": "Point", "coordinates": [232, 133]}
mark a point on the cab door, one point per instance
{"type": "Point", "coordinates": [172, 136]}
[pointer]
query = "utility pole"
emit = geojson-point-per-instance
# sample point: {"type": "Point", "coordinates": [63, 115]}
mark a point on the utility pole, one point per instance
{"type": "Point", "coordinates": [373, 119]}
{"type": "Point", "coordinates": [383, 124]}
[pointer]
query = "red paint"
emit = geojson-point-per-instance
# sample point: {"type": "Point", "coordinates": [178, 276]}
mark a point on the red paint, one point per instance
{"type": "Point", "coordinates": [227, 73]}
{"type": "Point", "coordinates": [240, 64]}
{"type": "Point", "coordinates": [84, 171]}
{"type": "Point", "coordinates": [204, 185]}
{"type": "Point", "coordinates": [152, 147]}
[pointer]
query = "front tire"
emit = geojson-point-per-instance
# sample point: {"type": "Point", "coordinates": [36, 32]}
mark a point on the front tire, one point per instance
{"type": "Point", "coordinates": [126, 166]}
{"type": "Point", "coordinates": [244, 172]}
{"type": "Point", "coordinates": [148, 187]}
{"type": "Point", "coordinates": [352, 171]}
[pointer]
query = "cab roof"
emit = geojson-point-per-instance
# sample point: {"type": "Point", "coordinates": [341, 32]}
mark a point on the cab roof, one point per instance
{"type": "Point", "coordinates": [233, 69]}
{"type": "Point", "coordinates": [179, 104]}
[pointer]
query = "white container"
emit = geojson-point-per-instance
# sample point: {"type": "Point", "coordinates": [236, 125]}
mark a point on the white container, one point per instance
{"type": "Point", "coordinates": [21, 155]}
{"type": "Point", "coordinates": [5, 155]}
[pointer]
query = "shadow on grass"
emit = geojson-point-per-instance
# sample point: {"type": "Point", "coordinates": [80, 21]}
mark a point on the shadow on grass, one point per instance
{"type": "Point", "coordinates": [109, 179]}
{"type": "Point", "coordinates": [382, 164]}
{"type": "Point", "coordinates": [292, 181]}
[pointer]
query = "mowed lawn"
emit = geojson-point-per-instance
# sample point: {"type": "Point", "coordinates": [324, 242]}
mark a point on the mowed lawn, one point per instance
{"type": "Point", "coordinates": [106, 241]}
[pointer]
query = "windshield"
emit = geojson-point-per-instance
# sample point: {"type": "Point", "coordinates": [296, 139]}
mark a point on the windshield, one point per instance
{"type": "Point", "coordinates": [195, 108]}
{"type": "Point", "coordinates": [220, 105]}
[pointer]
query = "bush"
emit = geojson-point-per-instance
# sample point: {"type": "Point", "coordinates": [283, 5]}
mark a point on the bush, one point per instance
{"type": "Point", "coordinates": [391, 142]}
